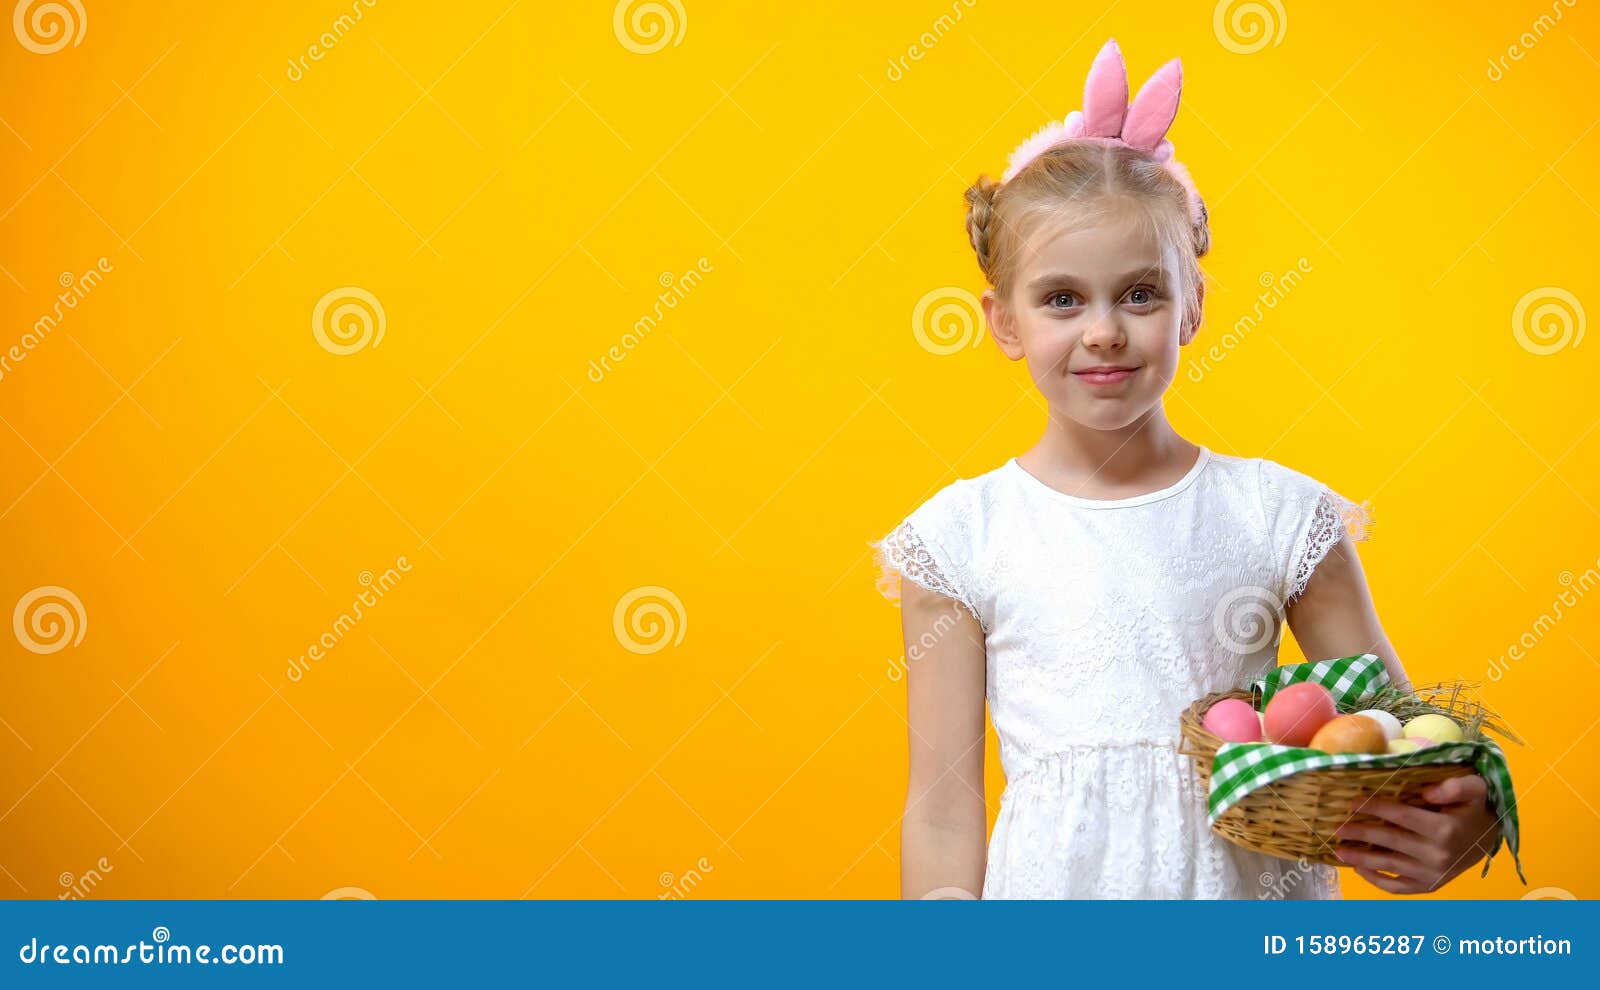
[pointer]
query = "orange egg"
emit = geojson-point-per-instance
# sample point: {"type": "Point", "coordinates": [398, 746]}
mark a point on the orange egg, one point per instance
{"type": "Point", "coordinates": [1351, 734]}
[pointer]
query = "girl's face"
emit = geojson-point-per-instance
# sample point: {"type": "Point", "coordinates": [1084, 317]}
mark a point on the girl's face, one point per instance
{"type": "Point", "coordinates": [1100, 297]}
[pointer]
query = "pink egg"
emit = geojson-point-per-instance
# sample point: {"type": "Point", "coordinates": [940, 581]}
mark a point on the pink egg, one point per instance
{"type": "Point", "coordinates": [1233, 720]}
{"type": "Point", "coordinates": [1296, 712]}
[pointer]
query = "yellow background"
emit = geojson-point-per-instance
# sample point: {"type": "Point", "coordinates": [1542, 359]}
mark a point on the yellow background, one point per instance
{"type": "Point", "coordinates": [511, 183]}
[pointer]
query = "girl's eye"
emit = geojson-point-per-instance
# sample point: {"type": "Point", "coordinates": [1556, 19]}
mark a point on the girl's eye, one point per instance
{"type": "Point", "coordinates": [1142, 296]}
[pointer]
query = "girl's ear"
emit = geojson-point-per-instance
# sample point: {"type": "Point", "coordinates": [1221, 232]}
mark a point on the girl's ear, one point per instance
{"type": "Point", "coordinates": [1002, 324]}
{"type": "Point", "coordinates": [1191, 321]}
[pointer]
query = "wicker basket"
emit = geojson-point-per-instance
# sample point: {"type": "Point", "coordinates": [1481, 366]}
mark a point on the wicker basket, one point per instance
{"type": "Point", "coordinates": [1295, 817]}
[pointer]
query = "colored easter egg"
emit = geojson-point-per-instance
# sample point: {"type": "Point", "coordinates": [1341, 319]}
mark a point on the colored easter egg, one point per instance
{"type": "Point", "coordinates": [1438, 728]}
{"type": "Point", "coordinates": [1389, 724]}
{"type": "Point", "coordinates": [1350, 734]}
{"type": "Point", "coordinates": [1233, 720]}
{"type": "Point", "coordinates": [1296, 713]}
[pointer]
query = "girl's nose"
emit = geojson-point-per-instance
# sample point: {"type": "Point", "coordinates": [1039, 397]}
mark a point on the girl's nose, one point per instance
{"type": "Point", "coordinates": [1105, 331]}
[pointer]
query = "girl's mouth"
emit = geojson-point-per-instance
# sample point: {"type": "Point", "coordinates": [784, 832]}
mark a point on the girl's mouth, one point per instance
{"type": "Point", "coordinates": [1109, 376]}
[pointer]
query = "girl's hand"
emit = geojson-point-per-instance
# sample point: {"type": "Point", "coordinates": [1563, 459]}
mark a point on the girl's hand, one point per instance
{"type": "Point", "coordinates": [1423, 849]}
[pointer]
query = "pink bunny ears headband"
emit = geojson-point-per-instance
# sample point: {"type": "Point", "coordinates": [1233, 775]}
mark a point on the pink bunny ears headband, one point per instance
{"type": "Point", "coordinates": [1107, 118]}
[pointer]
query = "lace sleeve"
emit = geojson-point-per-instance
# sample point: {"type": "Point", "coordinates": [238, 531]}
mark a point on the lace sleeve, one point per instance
{"type": "Point", "coordinates": [915, 549]}
{"type": "Point", "coordinates": [1306, 519]}
{"type": "Point", "coordinates": [1332, 516]}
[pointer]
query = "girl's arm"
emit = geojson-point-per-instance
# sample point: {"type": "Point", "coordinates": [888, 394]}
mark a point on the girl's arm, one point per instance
{"type": "Point", "coordinates": [1334, 615]}
{"type": "Point", "coordinates": [943, 834]}
{"type": "Point", "coordinates": [1420, 849]}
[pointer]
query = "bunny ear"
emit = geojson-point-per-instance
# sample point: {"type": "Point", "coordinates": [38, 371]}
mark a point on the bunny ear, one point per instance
{"type": "Point", "coordinates": [1105, 93]}
{"type": "Point", "coordinates": [1154, 108]}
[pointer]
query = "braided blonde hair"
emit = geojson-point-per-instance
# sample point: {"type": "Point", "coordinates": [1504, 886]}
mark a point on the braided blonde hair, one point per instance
{"type": "Point", "coordinates": [1084, 177]}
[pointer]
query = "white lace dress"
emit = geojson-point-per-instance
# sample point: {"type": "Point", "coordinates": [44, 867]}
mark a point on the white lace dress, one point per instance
{"type": "Point", "coordinates": [1103, 620]}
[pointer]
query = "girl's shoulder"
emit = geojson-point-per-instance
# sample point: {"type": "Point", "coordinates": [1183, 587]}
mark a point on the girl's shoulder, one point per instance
{"type": "Point", "coordinates": [1300, 513]}
{"type": "Point", "coordinates": [1292, 493]}
{"type": "Point", "coordinates": [965, 497]}
{"type": "Point", "coordinates": [1271, 472]}
{"type": "Point", "coordinates": [935, 543]}
{"type": "Point", "coordinates": [1304, 518]}
{"type": "Point", "coordinates": [1273, 485]}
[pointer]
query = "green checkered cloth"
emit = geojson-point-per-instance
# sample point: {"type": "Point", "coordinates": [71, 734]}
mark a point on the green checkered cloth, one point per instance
{"type": "Point", "coordinates": [1240, 768]}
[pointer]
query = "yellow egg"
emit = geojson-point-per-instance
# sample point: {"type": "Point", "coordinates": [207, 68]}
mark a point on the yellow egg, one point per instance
{"type": "Point", "coordinates": [1397, 746]}
{"type": "Point", "coordinates": [1436, 727]}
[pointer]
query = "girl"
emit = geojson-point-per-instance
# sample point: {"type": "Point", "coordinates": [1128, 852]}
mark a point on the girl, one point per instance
{"type": "Point", "coordinates": [1093, 587]}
